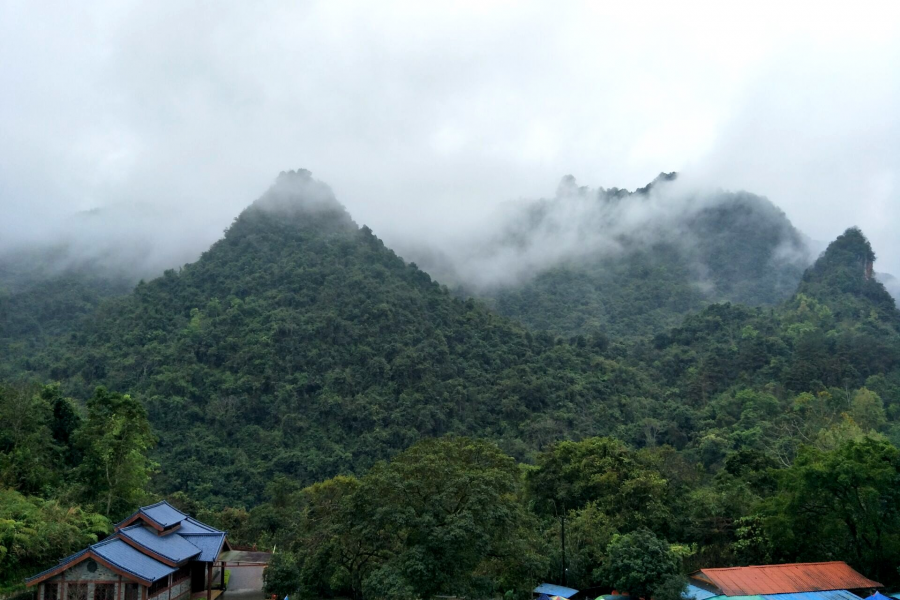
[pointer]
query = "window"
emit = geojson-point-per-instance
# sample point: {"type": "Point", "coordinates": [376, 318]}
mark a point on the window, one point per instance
{"type": "Point", "coordinates": [158, 586]}
{"type": "Point", "coordinates": [131, 591]}
{"type": "Point", "coordinates": [104, 591]}
{"type": "Point", "coordinates": [181, 574]}
{"type": "Point", "coordinates": [76, 591]}
{"type": "Point", "coordinates": [51, 591]}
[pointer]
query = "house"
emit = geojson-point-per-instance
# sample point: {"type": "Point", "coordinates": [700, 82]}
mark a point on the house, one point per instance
{"type": "Point", "coordinates": [157, 552]}
{"type": "Point", "coordinates": [834, 580]}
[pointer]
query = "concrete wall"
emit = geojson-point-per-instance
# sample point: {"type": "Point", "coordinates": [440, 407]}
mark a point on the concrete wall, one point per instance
{"type": "Point", "coordinates": [178, 591]}
{"type": "Point", "coordinates": [80, 574]}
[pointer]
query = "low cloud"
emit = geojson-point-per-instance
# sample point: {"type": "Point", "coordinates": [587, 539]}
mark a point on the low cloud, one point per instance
{"type": "Point", "coordinates": [138, 131]}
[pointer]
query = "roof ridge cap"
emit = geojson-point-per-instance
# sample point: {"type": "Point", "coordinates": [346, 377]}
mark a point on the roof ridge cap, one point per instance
{"type": "Point", "coordinates": [822, 562]}
{"type": "Point", "coordinates": [199, 550]}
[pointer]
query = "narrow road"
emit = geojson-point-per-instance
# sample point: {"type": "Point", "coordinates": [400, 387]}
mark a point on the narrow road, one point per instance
{"type": "Point", "coordinates": [246, 581]}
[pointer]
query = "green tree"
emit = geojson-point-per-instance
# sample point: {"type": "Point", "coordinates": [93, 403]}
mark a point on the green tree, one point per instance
{"type": "Point", "coordinates": [452, 507]}
{"type": "Point", "coordinates": [114, 440]}
{"type": "Point", "coordinates": [27, 457]}
{"type": "Point", "coordinates": [282, 576]}
{"type": "Point", "coordinates": [643, 566]}
{"type": "Point", "coordinates": [36, 533]}
{"type": "Point", "coordinates": [842, 504]}
{"type": "Point", "coordinates": [623, 490]}
{"type": "Point", "coordinates": [867, 410]}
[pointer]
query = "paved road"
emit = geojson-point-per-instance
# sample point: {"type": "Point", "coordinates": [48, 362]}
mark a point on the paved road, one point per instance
{"type": "Point", "coordinates": [246, 582]}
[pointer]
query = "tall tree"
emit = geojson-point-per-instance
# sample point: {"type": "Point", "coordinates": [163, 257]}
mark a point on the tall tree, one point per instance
{"type": "Point", "coordinates": [623, 491]}
{"type": "Point", "coordinates": [27, 458]}
{"type": "Point", "coordinates": [643, 566]}
{"type": "Point", "coordinates": [840, 505]}
{"type": "Point", "coordinates": [452, 506]}
{"type": "Point", "coordinates": [114, 440]}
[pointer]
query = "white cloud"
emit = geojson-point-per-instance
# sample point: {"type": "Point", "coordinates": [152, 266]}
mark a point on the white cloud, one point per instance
{"type": "Point", "coordinates": [424, 116]}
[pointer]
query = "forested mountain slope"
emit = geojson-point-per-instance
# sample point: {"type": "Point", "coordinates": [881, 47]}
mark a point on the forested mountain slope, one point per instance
{"type": "Point", "coordinates": [300, 345]}
{"type": "Point", "coordinates": [803, 361]}
{"type": "Point", "coordinates": [627, 264]}
{"type": "Point", "coordinates": [300, 351]}
{"type": "Point", "coordinates": [40, 301]}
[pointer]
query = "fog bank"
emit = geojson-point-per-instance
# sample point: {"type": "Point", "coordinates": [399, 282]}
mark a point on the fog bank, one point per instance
{"type": "Point", "coordinates": [140, 130]}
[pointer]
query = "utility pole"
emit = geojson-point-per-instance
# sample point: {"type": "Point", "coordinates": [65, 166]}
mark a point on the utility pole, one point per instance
{"type": "Point", "coordinates": [565, 573]}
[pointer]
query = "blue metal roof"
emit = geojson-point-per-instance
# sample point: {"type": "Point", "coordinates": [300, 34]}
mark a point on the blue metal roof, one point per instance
{"type": "Point", "coordinates": [824, 595]}
{"type": "Point", "coordinates": [193, 540]}
{"type": "Point", "coordinates": [62, 561]}
{"type": "Point", "coordinates": [172, 546]}
{"type": "Point", "coordinates": [555, 590]}
{"type": "Point", "coordinates": [210, 544]}
{"type": "Point", "coordinates": [164, 513]}
{"type": "Point", "coordinates": [191, 525]}
{"type": "Point", "coordinates": [131, 560]}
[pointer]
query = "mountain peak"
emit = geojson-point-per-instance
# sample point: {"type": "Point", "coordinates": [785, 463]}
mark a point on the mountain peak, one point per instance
{"type": "Point", "coordinates": [851, 251]}
{"type": "Point", "coordinates": [297, 192]}
{"type": "Point", "coordinates": [297, 199]}
{"type": "Point", "coordinates": [843, 275]}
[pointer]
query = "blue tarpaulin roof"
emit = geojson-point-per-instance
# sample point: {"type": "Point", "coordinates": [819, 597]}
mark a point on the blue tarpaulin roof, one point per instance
{"type": "Point", "coordinates": [692, 592]}
{"type": "Point", "coordinates": [824, 595]}
{"type": "Point", "coordinates": [878, 596]}
{"type": "Point", "coordinates": [555, 590]}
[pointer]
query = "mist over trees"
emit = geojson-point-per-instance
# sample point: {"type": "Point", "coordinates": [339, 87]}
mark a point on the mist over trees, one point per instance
{"type": "Point", "coordinates": [302, 386]}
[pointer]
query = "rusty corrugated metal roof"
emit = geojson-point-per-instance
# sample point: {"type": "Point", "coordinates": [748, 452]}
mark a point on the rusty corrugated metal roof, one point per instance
{"type": "Point", "coordinates": [786, 579]}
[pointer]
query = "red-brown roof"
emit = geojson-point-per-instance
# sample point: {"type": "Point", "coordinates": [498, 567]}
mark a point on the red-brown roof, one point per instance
{"type": "Point", "coordinates": [787, 579]}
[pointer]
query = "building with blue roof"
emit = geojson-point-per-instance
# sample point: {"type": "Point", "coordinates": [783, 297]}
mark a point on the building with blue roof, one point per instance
{"type": "Point", "coordinates": [158, 552]}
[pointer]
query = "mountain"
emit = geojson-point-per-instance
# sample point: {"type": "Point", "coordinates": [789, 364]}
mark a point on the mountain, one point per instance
{"type": "Point", "coordinates": [294, 368]}
{"type": "Point", "coordinates": [626, 264]}
{"type": "Point", "coordinates": [836, 334]}
{"type": "Point", "coordinates": [299, 344]}
{"type": "Point", "coordinates": [42, 296]}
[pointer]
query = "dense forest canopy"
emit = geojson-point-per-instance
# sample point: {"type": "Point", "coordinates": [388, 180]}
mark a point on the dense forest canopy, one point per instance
{"type": "Point", "coordinates": [625, 264]}
{"type": "Point", "coordinates": [302, 386]}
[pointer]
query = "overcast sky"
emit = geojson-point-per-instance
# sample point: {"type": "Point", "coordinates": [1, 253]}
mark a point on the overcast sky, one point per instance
{"type": "Point", "coordinates": [423, 116]}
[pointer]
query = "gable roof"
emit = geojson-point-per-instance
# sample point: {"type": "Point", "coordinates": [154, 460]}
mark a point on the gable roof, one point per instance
{"type": "Point", "coordinates": [209, 544]}
{"type": "Point", "coordinates": [161, 515]}
{"type": "Point", "coordinates": [172, 547]}
{"type": "Point", "coordinates": [785, 579]}
{"type": "Point", "coordinates": [149, 545]}
{"type": "Point", "coordinates": [131, 560]}
{"type": "Point", "coordinates": [118, 556]}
